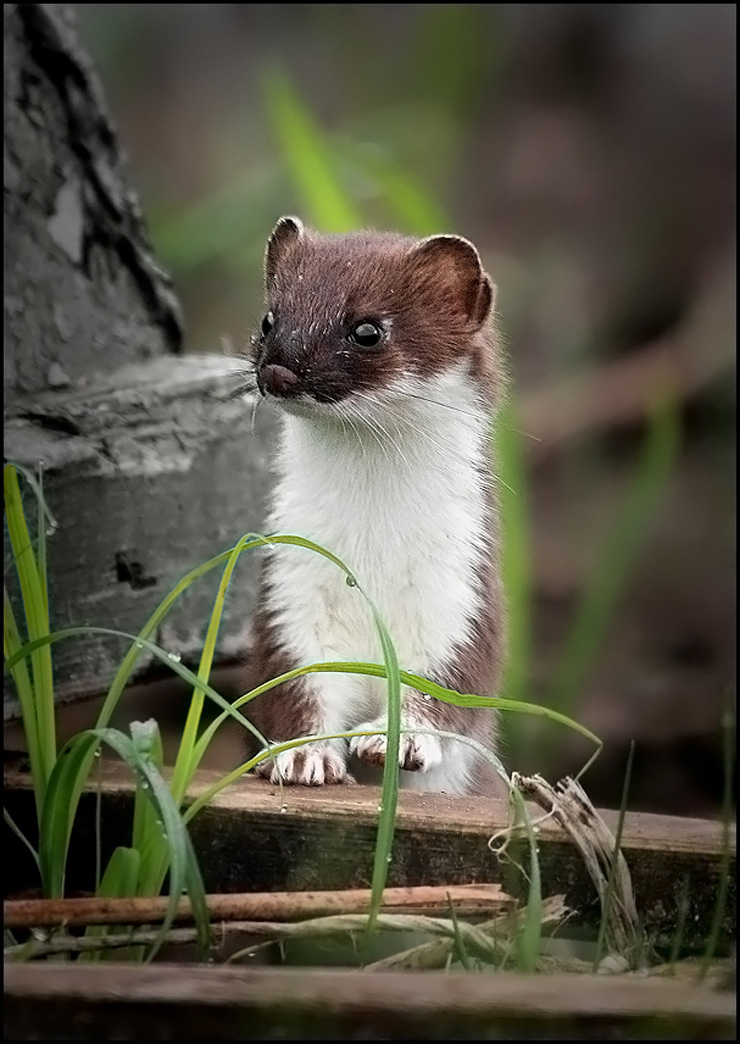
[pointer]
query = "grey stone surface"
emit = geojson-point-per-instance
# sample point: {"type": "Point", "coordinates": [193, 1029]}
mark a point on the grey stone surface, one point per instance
{"type": "Point", "coordinates": [149, 472]}
{"type": "Point", "coordinates": [82, 292]}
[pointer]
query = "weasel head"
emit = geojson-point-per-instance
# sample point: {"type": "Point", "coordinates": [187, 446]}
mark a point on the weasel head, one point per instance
{"type": "Point", "coordinates": [353, 317]}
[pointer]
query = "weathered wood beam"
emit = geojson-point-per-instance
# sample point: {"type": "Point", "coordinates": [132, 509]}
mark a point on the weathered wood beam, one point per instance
{"type": "Point", "coordinates": [176, 1002]}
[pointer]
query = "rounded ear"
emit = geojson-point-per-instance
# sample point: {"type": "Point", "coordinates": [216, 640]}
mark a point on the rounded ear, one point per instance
{"type": "Point", "coordinates": [283, 238]}
{"type": "Point", "coordinates": [449, 267]}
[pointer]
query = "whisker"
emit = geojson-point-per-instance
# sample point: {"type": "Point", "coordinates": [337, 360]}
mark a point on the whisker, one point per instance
{"type": "Point", "coordinates": [243, 389]}
{"type": "Point", "coordinates": [255, 407]}
{"type": "Point", "coordinates": [439, 402]}
{"type": "Point", "coordinates": [345, 415]}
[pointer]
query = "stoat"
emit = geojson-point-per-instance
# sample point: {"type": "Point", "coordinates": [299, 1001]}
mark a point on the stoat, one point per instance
{"type": "Point", "coordinates": [380, 352]}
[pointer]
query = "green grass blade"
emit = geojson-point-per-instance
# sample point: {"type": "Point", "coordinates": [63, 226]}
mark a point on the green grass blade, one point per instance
{"type": "Point", "coordinates": [389, 794]}
{"type": "Point", "coordinates": [62, 796]}
{"type": "Point", "coordinates": [415, 681]}
{"type": "Point", "coordinates": [142, 643]}
{"type": "Point", "coordinates": [186, 761]}
{"type": "Point", "coordinates": [145, 826]}
{"type": "Point", "coordinates": [121, 874]}
{"type": "Point", "coordinates": [460, 948]}
{"type": "Point", "coordinates": [307, 156]}
{"type": "Point", "coordinates": [529, 938]}
{"type": "Point", "coordinates": [37, 621]}
{"type": "Point", "coordinates": [618, 556]}
{"type": "Point", "coordinates": [41, 524]}
{"type": "Point", "coordinates": [12, 645]}
{"type": "Point", "coordinates": [119, 879]}
{"type": "Point", "coordinates": [136, 753]}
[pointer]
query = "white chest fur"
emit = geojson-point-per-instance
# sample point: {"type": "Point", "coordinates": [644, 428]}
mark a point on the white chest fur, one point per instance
{"type": "Point", "coordinates": [394, 486]}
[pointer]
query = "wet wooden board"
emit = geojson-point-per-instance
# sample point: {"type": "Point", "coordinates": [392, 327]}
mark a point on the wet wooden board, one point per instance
{"type": "Point", "coordinates": [255, 838]}
{"type": "Point", "coordinates": [175, 1002]}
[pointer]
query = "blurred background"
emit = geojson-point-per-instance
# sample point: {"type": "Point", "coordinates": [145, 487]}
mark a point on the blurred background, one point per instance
{"type": "Point", "coordinates": [589, 152]}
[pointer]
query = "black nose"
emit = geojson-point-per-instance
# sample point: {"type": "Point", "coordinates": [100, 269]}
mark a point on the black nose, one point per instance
{"type": "Point", "coordinates": [278, 380]}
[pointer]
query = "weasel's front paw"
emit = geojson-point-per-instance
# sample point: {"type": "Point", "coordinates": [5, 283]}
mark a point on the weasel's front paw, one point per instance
{"type": "Point", "coordinates": [310, 765]}
{"type": "Point", "coordinates": [416, 752]}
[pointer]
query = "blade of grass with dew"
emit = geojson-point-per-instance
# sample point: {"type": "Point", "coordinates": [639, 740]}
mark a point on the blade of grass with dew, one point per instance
{"type": "Point", "coordinates": [157, 651]}
{"type": "Point", "coordinates": [618, 555]}
{"type": "Point", "coordinates": [307, 156]}
{"type": "Point", "coordinates": [415, 681]}
{"type": "Point", "coordinates": [37, 622]}
{"type": "Point", "coordinates": [614, 861]}
{"type": "Point", "coordinates": [145, 828]}
{"type": "Point", "coordinates": [147, 742]}
{"type": "Point", "coordinates": [184, 874]}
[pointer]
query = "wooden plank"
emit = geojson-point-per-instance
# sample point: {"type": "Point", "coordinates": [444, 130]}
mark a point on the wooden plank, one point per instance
{"type": "Point", "coordinates": [255, 838]}
{"type": "Point", "coordinates": [176, 1002]}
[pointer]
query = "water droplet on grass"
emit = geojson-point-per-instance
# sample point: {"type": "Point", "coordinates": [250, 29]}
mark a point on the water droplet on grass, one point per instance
{"type": "Point", "coordinates": [351, 582]}
{"type": "Point", "coordinates": [174, 656]}
{"type": "Point", "coordinates": [426, 697]}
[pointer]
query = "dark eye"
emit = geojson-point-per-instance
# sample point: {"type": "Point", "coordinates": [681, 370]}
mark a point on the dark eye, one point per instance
{"type": "Point", "coordinates": [366, 333]}
{"type": "Point", "coordinates": [267, 323]}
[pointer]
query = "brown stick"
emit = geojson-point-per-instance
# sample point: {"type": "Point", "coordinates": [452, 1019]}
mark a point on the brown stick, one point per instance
{"type": "Point", "coordinates": [257, 906]}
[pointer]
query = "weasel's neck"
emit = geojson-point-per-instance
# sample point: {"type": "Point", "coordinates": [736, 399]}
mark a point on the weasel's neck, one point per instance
{"type": "Point", "coordinates": [393, 472]}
